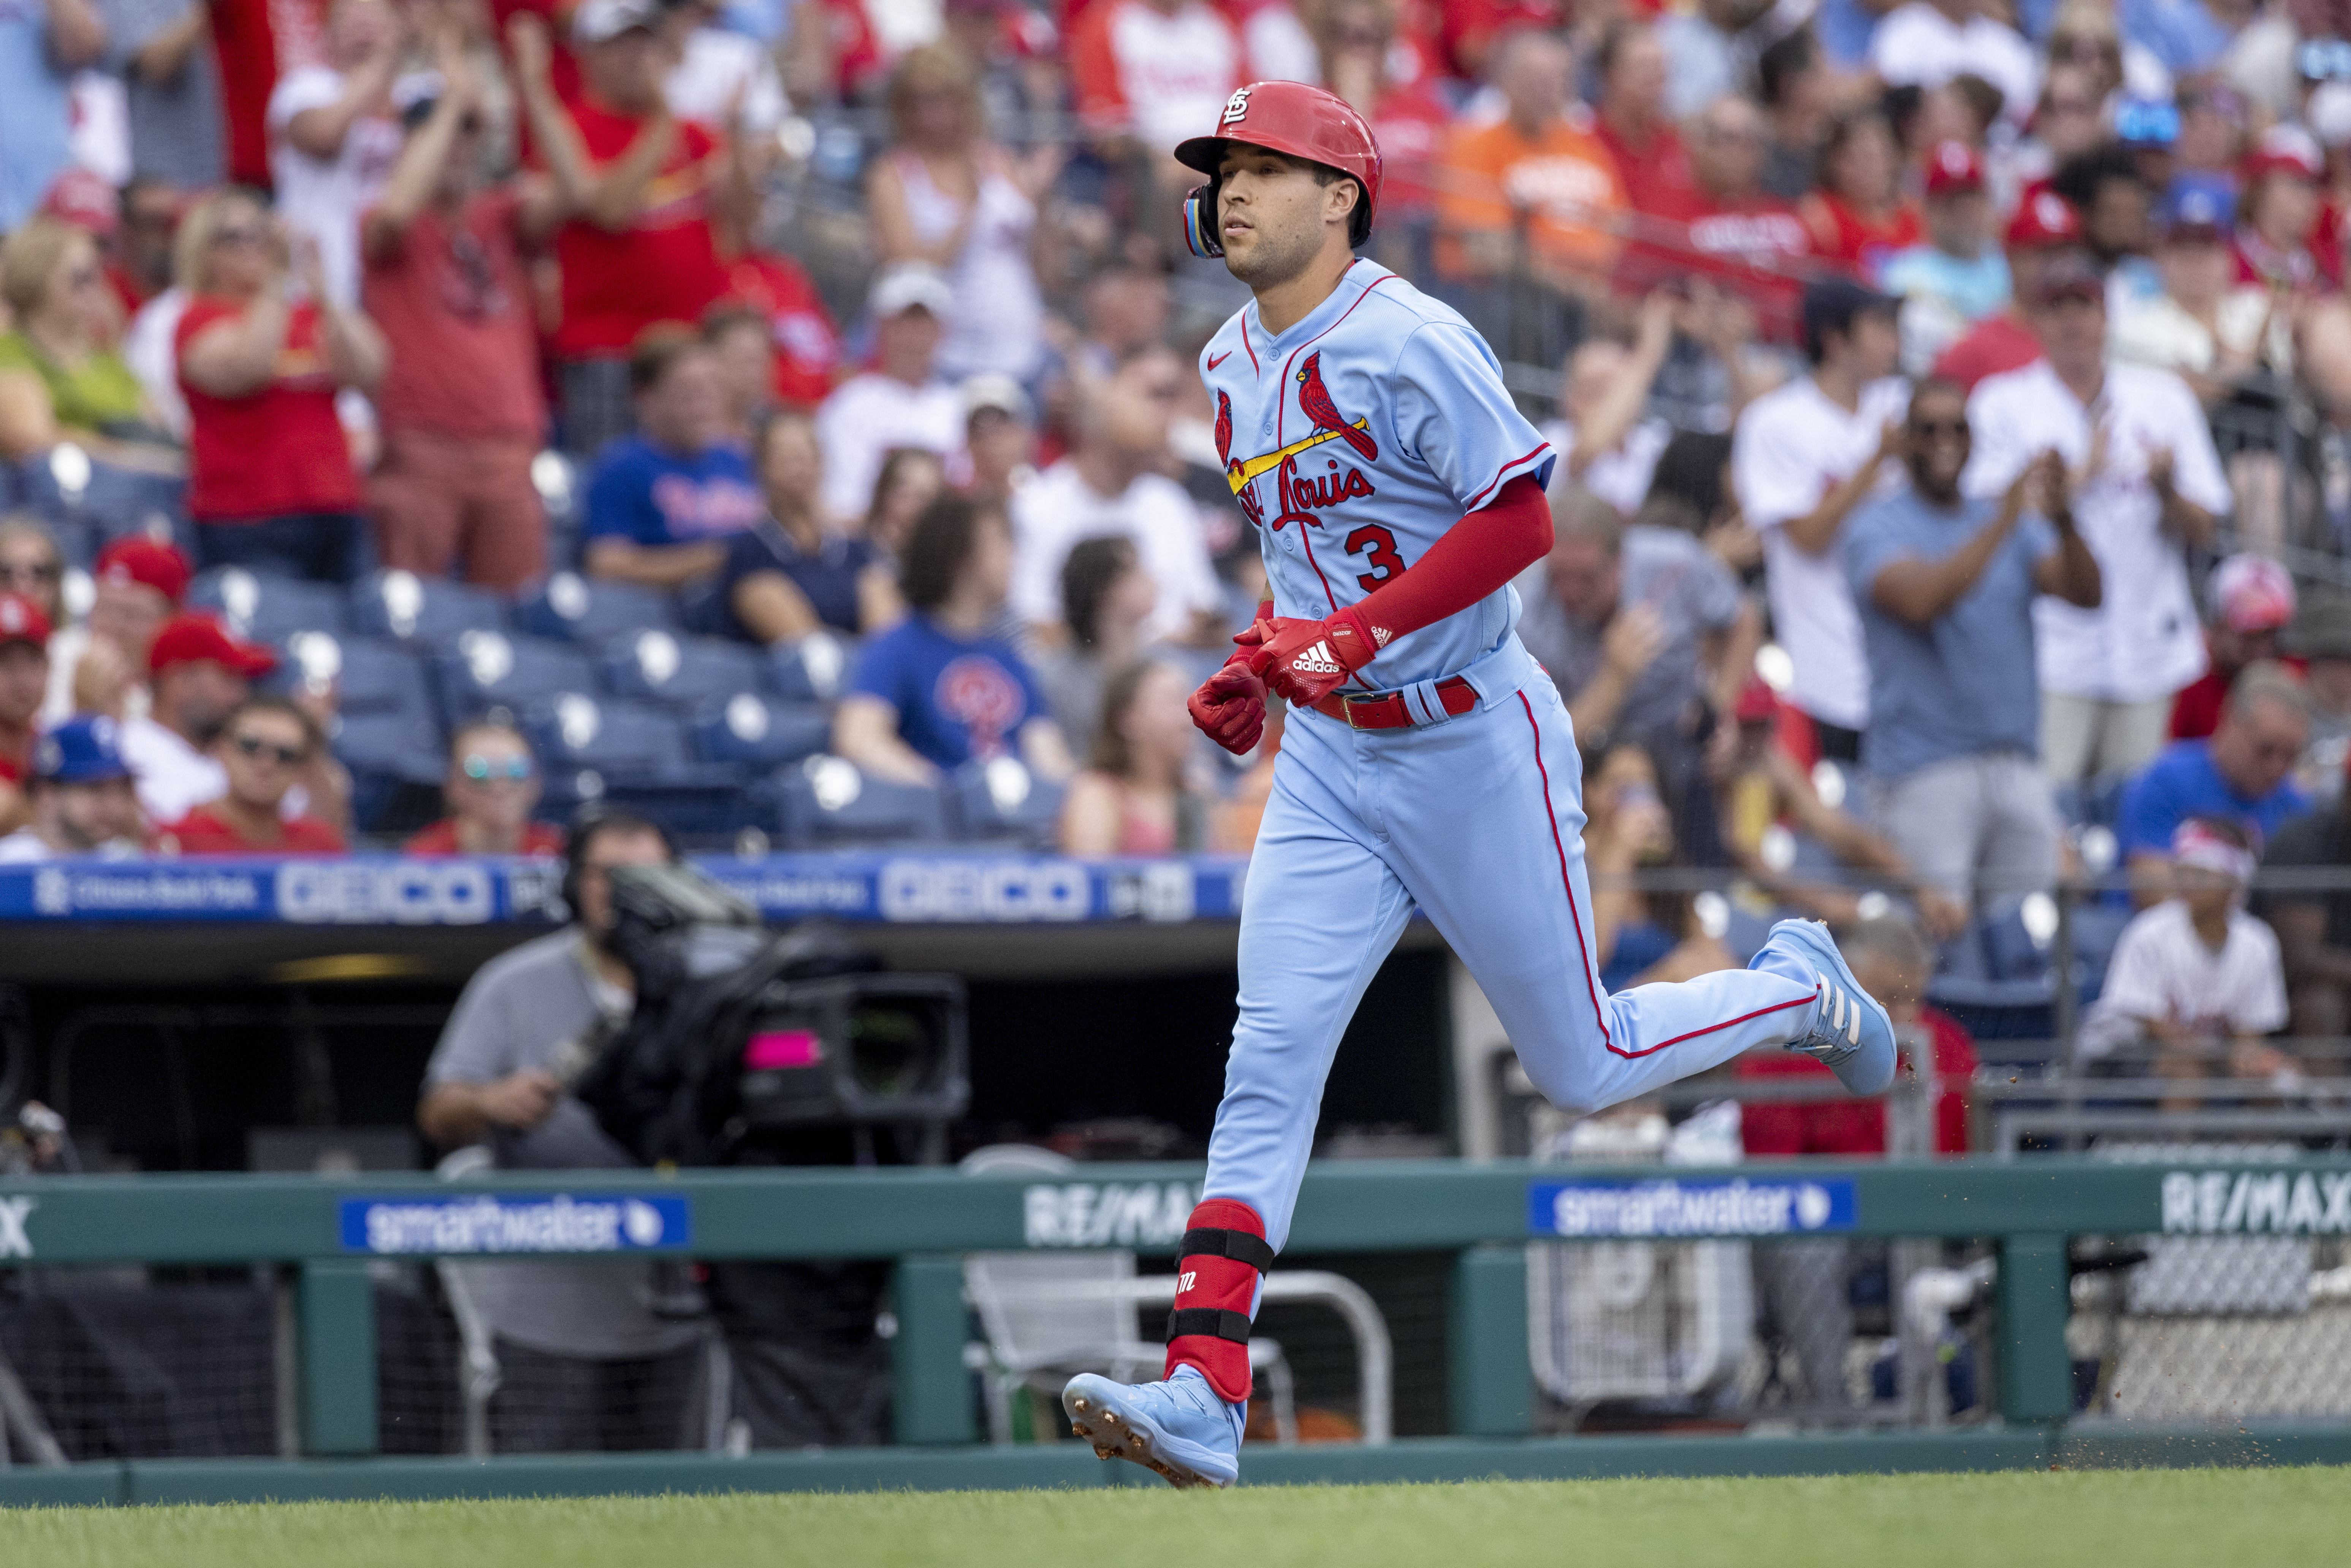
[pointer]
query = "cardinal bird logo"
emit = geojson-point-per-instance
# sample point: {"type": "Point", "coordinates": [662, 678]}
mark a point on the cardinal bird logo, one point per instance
{"type": "Point", "coordinates": [1224, 427]}
{"type": "Point", "coordinates": [1314, 399]}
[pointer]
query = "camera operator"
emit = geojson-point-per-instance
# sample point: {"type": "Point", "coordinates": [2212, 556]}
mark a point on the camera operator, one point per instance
{"type": "Point", "coordinates": [585, 1362]}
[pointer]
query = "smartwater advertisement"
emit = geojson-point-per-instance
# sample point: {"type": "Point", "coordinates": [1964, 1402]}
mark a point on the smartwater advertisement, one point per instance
{"type": "Point", "coordinates": [1671, 1206]}
{"type": "Point", "coordinates": [516, 1222]}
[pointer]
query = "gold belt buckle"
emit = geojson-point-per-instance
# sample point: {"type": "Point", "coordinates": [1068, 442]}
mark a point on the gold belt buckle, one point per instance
{"type": "Point", "coordinates": [1347, 702]}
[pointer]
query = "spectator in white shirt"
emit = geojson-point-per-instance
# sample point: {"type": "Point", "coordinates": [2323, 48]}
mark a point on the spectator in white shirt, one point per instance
{"type": "Point", "coordinates": [1110, 485]}
{"type": "Point", "coordinates": [1927, 42]}
{"type": "Point", "coordinates": [2146, 484]}
{"type": "Point", "coordinates": [719, 71]}
{"type": "Point", "coordinates": [901, 402]}
{"type": "Point", "coordinates": [2196, 976]}
{"type": "Point", "coordinates": [1611, 448]}
{"type": "Point", "coordinates": [1801, 458]}
{"type": "Point", "coordinates": [333, 137]}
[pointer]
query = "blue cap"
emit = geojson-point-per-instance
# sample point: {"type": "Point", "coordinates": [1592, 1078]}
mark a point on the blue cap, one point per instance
{"type": "Point", "coordinates": [80, 751]}
{"type": "Point", "coordinates": [2198, 201]}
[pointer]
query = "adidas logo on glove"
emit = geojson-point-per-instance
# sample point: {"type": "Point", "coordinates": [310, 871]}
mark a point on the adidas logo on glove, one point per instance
{"type": "Point", "coordinates": [1318, 661]}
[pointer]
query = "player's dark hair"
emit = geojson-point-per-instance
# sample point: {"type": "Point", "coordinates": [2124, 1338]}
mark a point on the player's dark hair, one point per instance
{"type": "Point", "coordinates": [1092, 569]}
{"type": "Point", "coordinates": [939, 547]}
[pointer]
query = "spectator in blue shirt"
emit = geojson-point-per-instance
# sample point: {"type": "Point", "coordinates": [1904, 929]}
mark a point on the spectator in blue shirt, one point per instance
{"type": "Point", "coordinates": [941, 687]}
{"type": "Point", "coordinates": [1945, 587]}
{"type": "Point", "coordinates": [665, 502]}
{"type": "Point", "coordinates": [1959, 277]}
{"type": "Point", "coordinates": [42, 44]}
{"type": "Point", "coordinates": [2242, 772]}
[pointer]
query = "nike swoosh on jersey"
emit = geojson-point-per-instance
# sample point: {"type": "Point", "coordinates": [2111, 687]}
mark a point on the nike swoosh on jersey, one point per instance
{"type": "Point", "coordinates": [1220, 358]}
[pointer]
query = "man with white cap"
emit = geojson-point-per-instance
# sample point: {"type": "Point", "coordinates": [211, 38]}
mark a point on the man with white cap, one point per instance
{"type": "Point", "coordinates": [901, 402]}
{"type": "Point", "coordinates": [1000, 437]}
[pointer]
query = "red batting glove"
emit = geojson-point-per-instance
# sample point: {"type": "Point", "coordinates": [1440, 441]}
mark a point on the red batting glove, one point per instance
{"type": "Point", "coordinates": [1229, 706]}
{"type": "Point", "coordinates": [1305, 661]}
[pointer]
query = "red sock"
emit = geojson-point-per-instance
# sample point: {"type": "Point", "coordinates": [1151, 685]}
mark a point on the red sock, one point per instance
{"type": "Point", "coordinates": [1223, 1253]}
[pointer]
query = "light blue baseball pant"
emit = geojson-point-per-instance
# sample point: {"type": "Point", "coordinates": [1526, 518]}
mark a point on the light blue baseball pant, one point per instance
{"type": "Point", "coordinates": [1480, 821]}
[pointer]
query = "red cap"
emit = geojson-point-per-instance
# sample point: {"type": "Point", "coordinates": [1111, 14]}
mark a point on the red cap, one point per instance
{"type": "Point", "coordinates": [2285, 149]}
{"type": "Point", "coordinates": [1951, 167]}
{"type": "Point", "coordinates": [22, 620]}
{"type": "Point", "coordinates": [1286, 117]}
{"type": "Point", "coordinates": [192, 636]}
{"type": "Point", "coordinates": [84, 199]}
{"type": "Point", "coordinates": [1757, 702]}
{"type": "Point", "coordinates": [2044, 220]}
{"type": "Point", "coordinates": [136, 558]}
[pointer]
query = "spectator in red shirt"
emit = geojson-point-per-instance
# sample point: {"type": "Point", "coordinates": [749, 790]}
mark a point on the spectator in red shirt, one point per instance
{"type": "Point", "coordinates": [136, 585]}
{"type": "Point", "coordinates": [2252, 604]}
{"type": "Point", "coordinates": [1632, 122]}
{"type": "Point", "coordinates": [262, 352]}
{"type": "Point", "coordinates": [265, 747]}
{"type": "Point", "coordinates": [1731, 227]}
{"type": "Point", "coordinates": [1358, 47]}
{"type": "Point", "coordinates": [2278, 241]}
{"type": "Point", "coordinates": [492, 788]}
{"type": "Point", "coordinates": [23, 683]}
{"type": "Point", "coordinates": [2043, 228]}
{"type": "Point", "coordinates": [648, 194]}
{"type": "Point", "coordinates": [459, 408]}
{"type": "Point", "coordinates": [1148, 73]}
{"type": "Point", "coordinates": [807, 345]}
{"type": "Point", "coordinates": [1859, 215]}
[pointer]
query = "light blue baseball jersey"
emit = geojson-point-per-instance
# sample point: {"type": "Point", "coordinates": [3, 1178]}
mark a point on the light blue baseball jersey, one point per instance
{"type": "Point", "coordinates": [1356, 438]}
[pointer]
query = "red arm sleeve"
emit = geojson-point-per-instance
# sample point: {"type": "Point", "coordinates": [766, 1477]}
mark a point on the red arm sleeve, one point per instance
{"type": "Point", "coordinates": [1476, 556]}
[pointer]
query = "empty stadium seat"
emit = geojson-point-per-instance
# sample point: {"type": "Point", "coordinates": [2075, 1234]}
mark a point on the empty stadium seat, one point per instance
{"type": "Point", "coordinates": [1000, 799]}
{"type": "Point", "coordinates": [269, 607]}
{"type": "Point", "coordinates": [758, 731]}
{"type": "Point", "coordinates": [396, 762]}
{"type": "Point", "coordinates": [636, 752]}
{"type": "Point", "coordinates": [827, 801]}
{"type": "Point", "coordinates": [422, 609]}
{"type": "Point", "coordinates": [577, 609]}
{"type": "Point", "coordinates": [816, 669]}
{"type": "Point", "coordinates": [663, 666]}
{"type": "Point", "coordinates": [369, 675]}
{"type": "Point", "coordinates": [480, 669]}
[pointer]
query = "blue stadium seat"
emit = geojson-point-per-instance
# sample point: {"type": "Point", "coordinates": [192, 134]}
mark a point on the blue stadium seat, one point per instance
{"type": "Point", "coordinates": [1001, 800]}
{"type": "Point", "coordinates": [758, 731]}
{"type": "Point", "coordinates": [572, 608]}
{"type": "Point", "coordinates": [67, 485]}
{"type": "Point", "coordinates": [480, 669]}
{"type": "Point", "coordinates": [814, 670]}
{"type": "Point", "coordinates": [396, 762]}
{"type": "Point", "coordinates": [634, 752]}
{"type": "Point", "coordinates": [663, 666]}
{"type": "Point", "coordinates": [265, 606]}
{"type": "Point", "coordinates": [370, 676]}
{"type": "Point", "coordinates": [422, 609]}
{"type": "Point", "coordinates": [826, 801]}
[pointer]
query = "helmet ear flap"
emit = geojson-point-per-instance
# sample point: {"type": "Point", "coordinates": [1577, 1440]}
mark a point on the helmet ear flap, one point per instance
{"type": "Point", "coordinates": [1200, 220]}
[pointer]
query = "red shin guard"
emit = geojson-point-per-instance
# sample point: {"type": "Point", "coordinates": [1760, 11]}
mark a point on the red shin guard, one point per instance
{"type": "Point", "coordinates": [1224, 1251]}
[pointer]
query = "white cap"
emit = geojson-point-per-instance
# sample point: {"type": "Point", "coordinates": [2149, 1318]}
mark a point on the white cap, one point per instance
{"type": "Point", "coordinates": [909, 284]}
{"type": "Point", "coordinates": [601, 21]}
{"type": "Point", "coordinates": [997, 392]}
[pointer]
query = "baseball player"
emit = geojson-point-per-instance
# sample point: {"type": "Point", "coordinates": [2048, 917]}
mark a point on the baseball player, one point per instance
{"type": "Point", "coordinates": [1428, 760]}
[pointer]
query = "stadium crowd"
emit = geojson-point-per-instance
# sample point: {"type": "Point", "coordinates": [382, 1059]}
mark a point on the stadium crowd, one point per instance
{"type": "Point", "coordinates": [419, 417]}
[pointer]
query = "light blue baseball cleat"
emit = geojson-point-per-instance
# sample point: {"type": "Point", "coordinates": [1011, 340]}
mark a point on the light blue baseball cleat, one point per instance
{"type": "Point", "coordinates": [1181, 1428]}
{"type": "Point", "coordinates": [1851, 1034]}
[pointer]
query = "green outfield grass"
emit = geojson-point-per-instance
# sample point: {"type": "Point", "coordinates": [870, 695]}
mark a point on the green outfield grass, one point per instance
{"type": "Point", "coordinates": [2141, 1518]}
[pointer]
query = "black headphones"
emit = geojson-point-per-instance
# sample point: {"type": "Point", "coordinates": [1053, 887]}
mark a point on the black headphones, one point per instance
{"type": "Point", "coordinates": [594, 816]}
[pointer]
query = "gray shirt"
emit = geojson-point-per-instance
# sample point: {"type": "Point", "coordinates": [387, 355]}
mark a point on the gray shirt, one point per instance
{"type": "Point", "coordinates": [520, 1010]}
{"type": "Point", "coordinates": [1693, 595]}
{"type": "Point", "coordinates": [1964, 685]}
{"type": "Point", "coordinates": [175, 125]}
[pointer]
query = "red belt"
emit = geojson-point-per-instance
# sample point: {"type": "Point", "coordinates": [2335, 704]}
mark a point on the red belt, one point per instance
{"type": "Point", "coordinates": [1390, 711]}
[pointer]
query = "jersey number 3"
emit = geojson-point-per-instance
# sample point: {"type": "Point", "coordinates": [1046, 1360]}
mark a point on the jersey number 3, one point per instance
{"type": "Point", "coordinates": [1376, 545]}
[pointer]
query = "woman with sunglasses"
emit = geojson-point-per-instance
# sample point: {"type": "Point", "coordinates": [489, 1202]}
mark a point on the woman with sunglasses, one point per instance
{"type": "Point", "coordinates": [491, 790]}
{"type": "Point", "coordinates": [65, 325]}
{"type": "Point", "coordinates": [262, 352]}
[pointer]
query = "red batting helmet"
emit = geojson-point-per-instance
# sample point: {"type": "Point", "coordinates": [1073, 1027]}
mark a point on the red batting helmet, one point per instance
{"type": "Point", "coordinates": [1286, 117]}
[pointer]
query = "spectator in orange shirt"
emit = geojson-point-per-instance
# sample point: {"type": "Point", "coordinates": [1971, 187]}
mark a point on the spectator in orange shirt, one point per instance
{"type": "Point", "coordinates": [1529, 198]}
{"type": "Point", "coordinates": [492, 786]}
{"type": "Point", "coordinates": [265, 747]}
